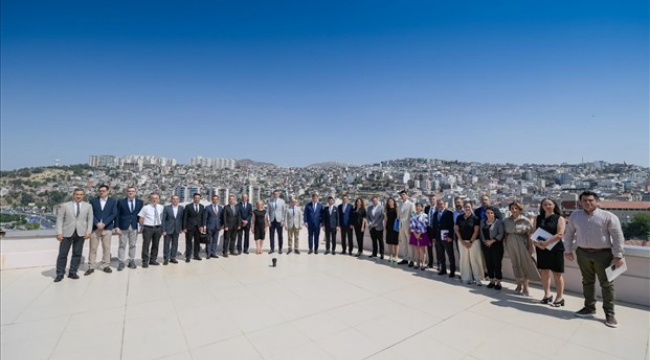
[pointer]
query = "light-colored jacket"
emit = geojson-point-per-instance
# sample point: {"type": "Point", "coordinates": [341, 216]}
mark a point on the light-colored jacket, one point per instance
{"type": "Point", "coordinates": [376, 221]}
{"type": "Point", "coordinates": [405, 212]}
{"type": "Point", "coordinates": [293, 219]}
{"type": "Point", "coordinates": [67, 220]}
{"type": "Point", "coordinates": [278, 212]}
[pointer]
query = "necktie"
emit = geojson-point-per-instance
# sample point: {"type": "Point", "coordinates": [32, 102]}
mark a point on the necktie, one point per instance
{"type": "Point", "coordinates": [214, 207]}
{"type": "Point", "coordinates": [439, 215]}
{"type": "Point", "coordinates": [196, 208]}
{"type": "Point", "coordinates": [78, 210]}
{"type": "Point", "coordinates": [232, 208]}
{"type": "Point", "coordinates": [156, 220]}
{"type": "Point", "coordinates": [131, 205]}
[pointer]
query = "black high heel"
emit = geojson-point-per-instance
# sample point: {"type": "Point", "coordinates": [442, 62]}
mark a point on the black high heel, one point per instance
{"type": "Point", "coordinates": [547, 300]}
{"type": "Point", "coordinates": [558, 303]}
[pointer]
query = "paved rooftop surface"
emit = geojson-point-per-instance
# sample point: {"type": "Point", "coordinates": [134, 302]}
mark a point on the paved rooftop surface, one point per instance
{"type": "Point", "coordinates": [309, 307]}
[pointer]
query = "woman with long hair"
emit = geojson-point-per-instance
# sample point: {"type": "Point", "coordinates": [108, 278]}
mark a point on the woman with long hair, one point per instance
{"type": "Point", "coordinates": [520, 248]}
{"type": "Point", "coordinates": [358, 223]}
{"type": "Point", "coordinates": [551, 261]}
{"type": "Point", "coordinates": [392, 236]}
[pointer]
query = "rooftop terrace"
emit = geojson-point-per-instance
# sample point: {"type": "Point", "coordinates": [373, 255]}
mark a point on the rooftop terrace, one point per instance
{"type": "Point", "coordinates": [308, 307]}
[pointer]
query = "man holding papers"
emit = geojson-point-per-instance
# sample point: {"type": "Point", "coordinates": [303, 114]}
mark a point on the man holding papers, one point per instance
{"type": "Point", "coordinates": [599, 239]}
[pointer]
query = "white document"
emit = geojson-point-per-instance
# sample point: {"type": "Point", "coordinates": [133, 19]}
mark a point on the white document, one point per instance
{"type": "Point", "coordinates": [614, 273]}
{"type": "Point", "coordinates": [443, 234]}
{"type": "Point", "coordinates": [543, 235]}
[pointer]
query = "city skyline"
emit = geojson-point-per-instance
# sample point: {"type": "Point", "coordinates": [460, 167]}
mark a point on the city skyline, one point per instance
{"type": "Point", "coordinates": [294, 84]}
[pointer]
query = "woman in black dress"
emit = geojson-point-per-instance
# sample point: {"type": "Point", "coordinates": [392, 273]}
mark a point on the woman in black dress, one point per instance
{"type": "Point", "coordinates": [551, 261]}
{"type": "Point", "coordinates": [392, 236]}
{"type": "Point", "coordinates": [260, 224]}
{"type": "Point", "coordinates": [358, 223]}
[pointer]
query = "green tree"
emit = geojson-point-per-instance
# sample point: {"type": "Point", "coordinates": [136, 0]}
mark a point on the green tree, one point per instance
{"type": "Point", "coordinates": [32, 226]}
{"type": "Point", "coordinates": [638, 228]}
{"type": "Point", "coordinates": [26, 198]}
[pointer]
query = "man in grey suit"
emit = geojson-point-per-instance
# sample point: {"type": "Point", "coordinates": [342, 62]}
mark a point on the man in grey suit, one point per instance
{"type": "Point", "coordinates": [276, 209]}
{"type": "Point", "coordinates": [376, 225]}
{"type": "Point", "coordinates": [172, 226]}
{"type": "Point", "coordinates": [293, 222]}
{"type": "Point", "coordinates": [74, 224]}
{"type": "Point", "coordinates": [212, 222]}
{"type": "Point", "coordinates": [231, 223]}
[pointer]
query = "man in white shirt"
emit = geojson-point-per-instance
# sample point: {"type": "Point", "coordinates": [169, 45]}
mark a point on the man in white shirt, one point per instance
{"type": "Point", "coordinates": [404, 216]}
{"type": "Point", "coordinates": [151, 222]}
{"type": "Point", "coordinates": [276, 209]}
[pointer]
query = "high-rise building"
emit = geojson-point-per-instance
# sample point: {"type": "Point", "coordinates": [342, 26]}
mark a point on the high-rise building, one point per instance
{"type": "Point", "coordinates": [185, 193]}
{"type": "Point", "coordinates": [218, 163]}
{"type": "Point", "coordinates": [102, 161]}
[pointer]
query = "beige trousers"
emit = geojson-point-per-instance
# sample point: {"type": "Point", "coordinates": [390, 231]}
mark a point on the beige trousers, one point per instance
{"type": "Point", "coordinates": [97, 236]}
{"type": "Point", "coordinates": [471, 266]}
{"type": "Point", "coordinates": [293, 234]}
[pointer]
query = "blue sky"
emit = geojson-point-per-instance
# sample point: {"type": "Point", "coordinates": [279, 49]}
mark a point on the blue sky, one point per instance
{"type": "Point", "coordinates": [297, 82]}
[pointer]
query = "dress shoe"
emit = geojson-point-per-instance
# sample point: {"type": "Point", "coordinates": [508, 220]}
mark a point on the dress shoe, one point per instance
{"type": "Point", "coordinates": [108, 270]}
{"type": "Point", "coordinates": [187, 260]}
{"type": "Point", "coordinates": [585, 312]}
{"type": "Point", "coordinates": [442, 272]}
{"type": "Point", "coordinates": [310, 252]}
{"type": "Point", "coordinates": [145, 265]}
{"type": "Point", "coordinates": [73, 276]}
{"type": "Point", "coordinates": [246, 252]}
{"type": "Point", "coordinates": [316, 252]}
{"type": "Point", "coordinates": [358, 254]}
{"type": "Point", "coordinates": [215, 256]}
{"type": "Point", "coordinates": [297, 252]}
{"type": "Point", "coordinates": [120, 267]}
{"type": "Point", "coordinates": [225, 255]}
{"type": "Point", "coordinates": [271, 251]}
{"type": "Point", "coordinates": [289, 251]}
{"type": "Point", "coordinates": [497, 286]}
{"type": "Point", "coordinates": [156, 263]}
{"type": "Point", "coordinates": [452, 275]}
{"type": "Point", "coordinates": [491, 285]}
{"type": "Point", "coordinates": [350, 252]}
{"type": "Point", "coordinates": [430, 266]}
{"type": "Point", "coordinates": [173, 261]}
{"type": "Point", "coordinates": [333, 252]}
{"type": "Point", "coordinates": [132, 265]}
{"type": "Point", "coordinates": [58, 278]}
{"type": "Point", "coordinates": [89, 272]}
{"type": "Point", "coordinates": [207, 257]}
{"type": "Point", "coordinates": [403, 262]}
{"type": "Point", "coordinates": [372, 256]}
{"type": "Point", "coordinates": [610, 320]}
{"type": "Point", "coordinates": [327, 252]}
{"type": "Point", "coordinates": [280, 252]}
{"type": "Point", "coordinates": [382, 257]}
{"type": "Point", "coordinates": [410, 264]}
{"type": "Point", "coordinates": [197, 258]}
{"type": "Point", "coordinates": [165, 262]}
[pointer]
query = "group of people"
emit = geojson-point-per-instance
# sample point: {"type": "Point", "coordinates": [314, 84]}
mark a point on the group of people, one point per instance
{"type": "Point", "coordinates": [480, 236]}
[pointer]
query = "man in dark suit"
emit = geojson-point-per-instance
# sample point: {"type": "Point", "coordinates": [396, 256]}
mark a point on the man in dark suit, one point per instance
{"type": "Point", "coordinates": [104, 213]}
{"type": "Point", "coordinates": [345, 211]}
{"type": "Point", "coordinates": [212, 222]}
{"type": "Point", "coordinates": [172, 226]}
{"type": "Point", "coordinates": [443, 230]}
{"type": "Point", "coordinates": [231, 223]}
{"type": "Point", "coordinates": [430, 210]}
{"type": "Point", "coordinates": [313, 220]}
{"type": "Point", "coordinates": [246, 214]}
{"type": "Point", "coordinates": [128, 226]}
{"type": "Point", "coordinates": [192, 227]}
{"type": "Point", "coordinates": [330, 223]}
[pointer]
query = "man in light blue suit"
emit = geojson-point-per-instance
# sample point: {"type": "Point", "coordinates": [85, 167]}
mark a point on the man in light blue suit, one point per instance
{"type": "Point", "coordinates": [212, 219]}
{"type": "Point", "coordinates": [313, 221]}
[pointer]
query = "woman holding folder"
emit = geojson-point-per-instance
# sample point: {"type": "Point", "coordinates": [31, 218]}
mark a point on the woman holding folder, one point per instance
{"type": "Point", "coordinates": [550, 251]}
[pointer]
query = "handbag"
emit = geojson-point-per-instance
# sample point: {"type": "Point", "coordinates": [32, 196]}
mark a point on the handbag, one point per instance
{"type": "Point", "coordinates": [396, 225]}
{"type": "Point", "coordinates": [203, 238]}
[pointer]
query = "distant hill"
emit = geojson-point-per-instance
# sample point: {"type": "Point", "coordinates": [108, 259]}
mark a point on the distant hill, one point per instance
{"type": "Point", "coordinates": [249, 162]}
{"type": "Point", "coordinates": [330, 164]}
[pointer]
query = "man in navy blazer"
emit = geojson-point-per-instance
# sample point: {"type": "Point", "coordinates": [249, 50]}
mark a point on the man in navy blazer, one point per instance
{"type": "Point", "coordinates": [104, 214]}
{"type": "Point", "coordinates": [212, 222]}
{"type": "Point", "coordinates": [443, 232]}
{"type": "Point", "coordinates": [172, 227]}
{"type": "Point", "coordinates": [128, 226]}
{"type": "Point", "coordinates": [246, 214]}
{"type": "Point", "coordinates": [313, 221]}
{"type": "Point", "coordinates": [330, 223]}
{"type": "Point", "coordinates": [345, 211]}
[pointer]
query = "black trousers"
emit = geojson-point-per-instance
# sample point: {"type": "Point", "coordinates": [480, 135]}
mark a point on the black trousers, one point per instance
{"type": "Point", "coordinates": [275, 226]}
{"type": "Point", "coordinates": [244, 234]}
{"type": "Point", "coordinates": [377, 237]}
{"type": "Point", "coordinates": [330, 237]}
{"type": "Point", "coordinates": [75, 242]}
{"type": "Point", "coordinates": [170, 246]}
{"type": "Point", "coordinates": [442, 248]}
{"type": "Point", "coordinates": [346, 238]}
{"type": "Point", "coordinates": [150, 240]}
{"type": "Point", "coordinates": [359, 234]}
{"type": "Point", "coordinates": [430, 257]}
{"type": "Point", "coordinates": [192, 243]}
{"type": "Point", "coordinates": [229, 240]}
{"type": "Point", "coordinates": [493, 259]}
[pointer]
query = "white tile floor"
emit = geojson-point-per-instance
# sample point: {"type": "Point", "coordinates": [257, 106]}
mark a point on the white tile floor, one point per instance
{"type": "Point", "coordinates": [309, 307]}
